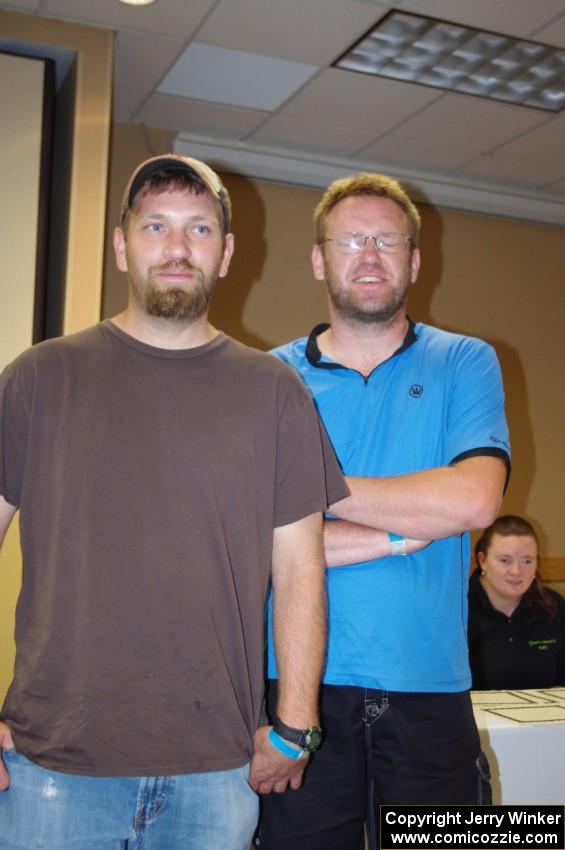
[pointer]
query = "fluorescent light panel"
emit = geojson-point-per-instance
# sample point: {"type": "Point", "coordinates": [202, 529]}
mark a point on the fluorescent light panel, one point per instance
{"type": "Point", "coordinates": [234, 77]}
{"type": "Point", "coordinates": [451, 56]}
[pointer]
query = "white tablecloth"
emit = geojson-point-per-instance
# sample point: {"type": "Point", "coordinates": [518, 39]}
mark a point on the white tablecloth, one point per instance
{"type": "Point", "coordinates": [523, 735]}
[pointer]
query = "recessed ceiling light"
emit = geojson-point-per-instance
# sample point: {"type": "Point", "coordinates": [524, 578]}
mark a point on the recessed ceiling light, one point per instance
{"type": "Point", "coordinates": [137, 2]}
{"type": "Point", "coordinates": [451, 56]}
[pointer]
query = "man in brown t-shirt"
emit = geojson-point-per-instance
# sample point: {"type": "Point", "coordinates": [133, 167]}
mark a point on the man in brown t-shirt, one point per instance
{"type": "Point", "coordinates": [165, 475]}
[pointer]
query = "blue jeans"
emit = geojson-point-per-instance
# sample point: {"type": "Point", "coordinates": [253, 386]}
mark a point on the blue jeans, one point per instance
{"type": "Point", "coordinates": [47, 810]}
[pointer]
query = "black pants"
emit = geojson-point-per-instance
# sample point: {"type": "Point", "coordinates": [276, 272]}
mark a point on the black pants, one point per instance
{"type": "Point", "coordinates": [378, 747]}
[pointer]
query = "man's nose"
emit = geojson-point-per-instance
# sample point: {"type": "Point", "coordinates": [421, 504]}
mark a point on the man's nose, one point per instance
{"type": "Point", "coordinates": [177, 245]}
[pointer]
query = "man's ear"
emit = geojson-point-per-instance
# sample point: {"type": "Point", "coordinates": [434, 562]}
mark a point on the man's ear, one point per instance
{"type": "Point", "coordinates": [120, 249]}
{"type": "Point", "coordinates": [414, 265]}
{"type": "Point", "coordinates": [318, 262]}
{"type": "Point", "coordinates": [229, 245]}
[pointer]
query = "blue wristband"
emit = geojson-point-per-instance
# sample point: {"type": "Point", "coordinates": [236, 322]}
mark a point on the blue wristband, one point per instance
{"type": "Point", "coordinates": [281, 745]}
{"type": "Point", "coordinates": [397, 544]}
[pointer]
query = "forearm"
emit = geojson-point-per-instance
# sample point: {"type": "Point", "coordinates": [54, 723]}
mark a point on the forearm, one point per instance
{"type": "Point", "coordinates": [348, 543]}
{"type": "Point", "coordinates": [429, 504]}
{"type": "Point", "coordinates": [6, 743]}
{"type": "Point", "coordinates": [299, 626]}
{"type": "Point", "coordinates": [300, 640]}
{"type": "Point", "coordinates": [7, 512]}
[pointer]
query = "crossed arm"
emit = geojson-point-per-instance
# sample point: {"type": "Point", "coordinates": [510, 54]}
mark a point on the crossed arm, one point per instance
{"type": "Point", "coordinates": [420, 506]}
{"type": "Point", "coordinates": [7, 512]}
{"type": "Point", "coordinates": [299, 626]}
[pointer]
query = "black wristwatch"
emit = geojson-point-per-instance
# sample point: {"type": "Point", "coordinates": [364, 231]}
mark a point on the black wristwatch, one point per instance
{"type": "Point", "coordinates": [307, 739]}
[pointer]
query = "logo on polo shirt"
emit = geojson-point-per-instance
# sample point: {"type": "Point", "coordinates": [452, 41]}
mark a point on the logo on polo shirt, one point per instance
{"type": "Point", "coordinates": [542, 645]}
{"type": "Point", "coordinates": [500, 442]}
{"type": "Point", "coordinates": [416, 390]}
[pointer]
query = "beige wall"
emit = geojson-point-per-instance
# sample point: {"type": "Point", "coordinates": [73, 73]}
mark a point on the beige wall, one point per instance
{"type": "Point", "coordinates": [83, 283]}
{"type": "Point", "coordinates": [22, 80]}
{"type": "Point", "coordinates": [499, 279]}
{"type": "Point", "coordinates": [503, 280]}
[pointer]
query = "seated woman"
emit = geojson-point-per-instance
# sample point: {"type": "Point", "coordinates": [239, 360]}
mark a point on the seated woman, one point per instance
{"type": "Point", "coordinates": [516, 626]}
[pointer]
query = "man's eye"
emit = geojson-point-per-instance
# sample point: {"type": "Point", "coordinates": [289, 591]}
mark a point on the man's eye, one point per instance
{"type": "Point", "coordinates": [201, 230]}
{"type": "Point", "coordinates": [154, 227]}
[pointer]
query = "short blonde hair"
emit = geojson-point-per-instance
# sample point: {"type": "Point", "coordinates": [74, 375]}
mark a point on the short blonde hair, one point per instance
{"type": "Point", "coordinates": [365, 183]}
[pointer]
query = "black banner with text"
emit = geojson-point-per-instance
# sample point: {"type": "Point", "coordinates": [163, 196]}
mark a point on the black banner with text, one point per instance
{"type": "Point", "coordinates": [472, 827]}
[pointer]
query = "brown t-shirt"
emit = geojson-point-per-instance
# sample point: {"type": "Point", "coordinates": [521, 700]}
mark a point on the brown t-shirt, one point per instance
{"type": "Point", "coordinates": [149, 482]}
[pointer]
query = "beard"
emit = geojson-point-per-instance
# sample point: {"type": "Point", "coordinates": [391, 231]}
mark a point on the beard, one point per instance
{"type": "Point", "coordinates": [176, 302]}
{"type": "Point", "coordinates": [367, 313]}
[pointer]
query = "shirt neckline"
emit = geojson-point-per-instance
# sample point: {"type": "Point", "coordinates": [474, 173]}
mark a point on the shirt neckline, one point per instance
{"type": "Point", "coordinates": [314, 355]}
{"type": "Point", "coordinates": [164, 353]}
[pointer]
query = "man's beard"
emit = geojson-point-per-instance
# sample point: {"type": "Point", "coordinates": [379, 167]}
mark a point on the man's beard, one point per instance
{"type": "Point", "coordinates": [176, 302]}
{"type": "Point", "coordinates": [348, 308]}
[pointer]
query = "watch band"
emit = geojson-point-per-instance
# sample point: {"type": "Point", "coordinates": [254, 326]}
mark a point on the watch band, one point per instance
{"type": "Point", "coordinates": [308, 739]}
{"type": "Point", "coordinates": [281, 745]}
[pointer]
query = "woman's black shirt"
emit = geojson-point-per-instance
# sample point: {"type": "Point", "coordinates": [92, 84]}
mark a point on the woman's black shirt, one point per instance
{"type": "Point", "coordinates": [516, 652]}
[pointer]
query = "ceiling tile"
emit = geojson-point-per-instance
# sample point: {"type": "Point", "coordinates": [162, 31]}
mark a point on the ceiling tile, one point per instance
{"type": "Point", "coordinates": [168, 17]}
{"type": "Point", "coordinates": [315, 32]}
{"type": "Point", "coordinates": [200, 118]}
{"type": "Point", "coordinates": [417, 155]}
{"type": "Point", "coordinates": [512, 18]}
{"type": "Point", "coordinates": [554, 33]}
{"type": "Point", "coordinates": [557, 188]}
{"type": "Point", "coordinates": [359, 101]}
{"type": "Point", "coordinates": [21, 5]}
{"type": "Point", "coordinates": [141, 59]}
{"type": "Point", "coordinates": [327, 139]}
{"type": "Point", "coordinates": [516, 172]}
{"type": "Point", "coordinates": [221, 75]}
{"type": "Point", "coordinates": [459, 120]}
{"type": "Point", "coordinates": [540, 144]}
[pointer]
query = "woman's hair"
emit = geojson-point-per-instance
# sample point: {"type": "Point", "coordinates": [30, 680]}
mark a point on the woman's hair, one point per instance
{"type": "Point", "coordinates": [538, 599]}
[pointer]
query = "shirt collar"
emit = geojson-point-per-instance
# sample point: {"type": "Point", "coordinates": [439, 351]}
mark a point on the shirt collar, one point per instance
{"type": "Point", "coordinates": [314, 355]}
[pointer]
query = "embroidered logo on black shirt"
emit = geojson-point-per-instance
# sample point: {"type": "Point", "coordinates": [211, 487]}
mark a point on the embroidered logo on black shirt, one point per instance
{"type": "Point", "coordinates": [542, 645]}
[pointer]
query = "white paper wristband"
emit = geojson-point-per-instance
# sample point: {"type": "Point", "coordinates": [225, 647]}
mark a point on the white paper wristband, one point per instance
{"type": "Point", "coordinates": [397, 544]}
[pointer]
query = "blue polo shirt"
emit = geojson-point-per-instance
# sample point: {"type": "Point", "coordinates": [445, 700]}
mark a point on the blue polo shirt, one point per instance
{"type": "Point", "coordinates": [400, 623]}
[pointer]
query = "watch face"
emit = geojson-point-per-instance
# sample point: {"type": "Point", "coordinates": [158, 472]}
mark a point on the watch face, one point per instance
{"type": "Point", "coordinates": [313, 738]}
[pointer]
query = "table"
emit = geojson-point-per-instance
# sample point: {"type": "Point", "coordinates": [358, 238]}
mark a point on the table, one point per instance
{"type": "Point", "coordinates": [523, 736]}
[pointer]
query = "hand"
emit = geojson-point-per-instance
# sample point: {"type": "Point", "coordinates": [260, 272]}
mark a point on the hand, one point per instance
{"type": "Point", "coordinates": [271, 770]}
{"type": "Point", "coordinates": [6, 743]}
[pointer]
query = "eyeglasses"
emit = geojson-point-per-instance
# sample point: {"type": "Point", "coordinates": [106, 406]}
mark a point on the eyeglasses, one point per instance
{"type": "Point", "coordinates": [354, 243]}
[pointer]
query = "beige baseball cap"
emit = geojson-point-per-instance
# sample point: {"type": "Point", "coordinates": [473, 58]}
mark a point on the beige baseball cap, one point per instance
{"type": "Point", "coordinates": [177, 162]}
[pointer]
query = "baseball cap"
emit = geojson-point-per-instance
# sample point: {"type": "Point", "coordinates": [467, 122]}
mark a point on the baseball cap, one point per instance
{"type": "Point", "coordinates": [175, 162]}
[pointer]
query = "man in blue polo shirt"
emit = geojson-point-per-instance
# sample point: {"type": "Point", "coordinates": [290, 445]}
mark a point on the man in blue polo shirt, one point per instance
{"type": "Point", "coordinates": [416, 417]}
